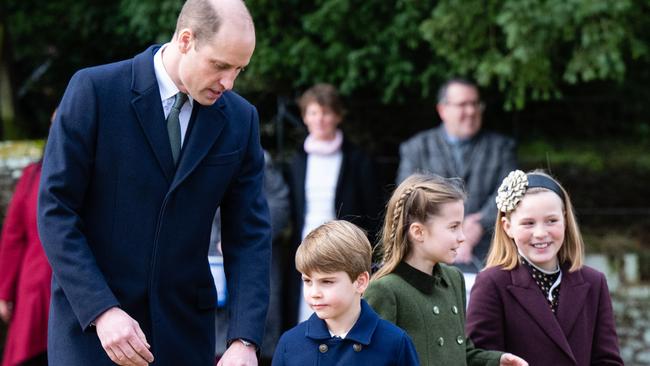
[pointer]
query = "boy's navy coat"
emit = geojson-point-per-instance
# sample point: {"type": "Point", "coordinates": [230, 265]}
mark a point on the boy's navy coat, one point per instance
{"type": "Point", "coordinates": [371, 341]}
{"type": "Point", "coordinates": [123, 227]}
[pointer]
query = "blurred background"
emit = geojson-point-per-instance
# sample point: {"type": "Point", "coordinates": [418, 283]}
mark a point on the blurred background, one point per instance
{"type": "Point", "coordinates": [568, 79]}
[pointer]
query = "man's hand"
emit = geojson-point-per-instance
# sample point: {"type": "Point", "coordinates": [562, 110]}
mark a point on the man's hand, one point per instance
{"type": "Point", "coordinates": [508, 359]}
{"type": "Point", "coordinates": [473, 232]}
{"type": "Point", "coordinates": [122, 338]}
{"type": "Point", "coordinates": [6, 310]}
{"type": "Point", "coordinates": [238, 355]}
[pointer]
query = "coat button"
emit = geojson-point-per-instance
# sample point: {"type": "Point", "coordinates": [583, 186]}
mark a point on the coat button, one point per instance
{"type": "Point", "coordinates": [454, 309]}
{"type": "Point", "coordinates": [436, 310]}
{"type": "Point", "coordinates": [460, 340]}
{"type": "Point", "coordinates": [356, 347]}
{"type": "Point", "coordinates": [322, 348]}
{"type": "Point", "coordinates": [441, 341]}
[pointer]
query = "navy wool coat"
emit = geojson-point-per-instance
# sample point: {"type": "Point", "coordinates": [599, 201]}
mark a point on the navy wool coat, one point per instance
{"type": "Point", "coordinates": [123, 227]}
{"type": "Point", "coordinates": [371, 341]}
{"type": "Point", "coordinates": [508, 312]}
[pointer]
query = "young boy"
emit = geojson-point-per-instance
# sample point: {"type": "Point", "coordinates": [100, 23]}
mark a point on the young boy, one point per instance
{"type": "Point", "coordinates": [334, 260]}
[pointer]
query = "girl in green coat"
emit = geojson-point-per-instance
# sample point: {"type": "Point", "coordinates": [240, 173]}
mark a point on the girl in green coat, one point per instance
{"type": "Point", "coordinates": [414, 288]}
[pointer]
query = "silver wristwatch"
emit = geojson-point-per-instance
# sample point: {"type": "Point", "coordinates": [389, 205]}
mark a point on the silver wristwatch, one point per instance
{"type": "Point", "coordinates": [247, 343]}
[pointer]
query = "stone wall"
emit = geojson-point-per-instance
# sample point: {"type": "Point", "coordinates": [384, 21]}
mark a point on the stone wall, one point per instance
{"type": "Point", "coordinates": [631, 303]}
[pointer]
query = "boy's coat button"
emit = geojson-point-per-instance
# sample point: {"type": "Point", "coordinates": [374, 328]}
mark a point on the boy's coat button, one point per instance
{"type": "Point", "coordinates": [357, 347]}
{"type": "Point", "coordinates": [323, 348]}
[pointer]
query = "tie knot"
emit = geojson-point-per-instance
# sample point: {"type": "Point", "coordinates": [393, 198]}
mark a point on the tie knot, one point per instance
{"type": "Point", "coordinates": [179, 100]}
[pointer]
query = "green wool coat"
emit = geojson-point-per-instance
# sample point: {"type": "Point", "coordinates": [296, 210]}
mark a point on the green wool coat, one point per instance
{"type": "Point", "coordinates": [431, 309]}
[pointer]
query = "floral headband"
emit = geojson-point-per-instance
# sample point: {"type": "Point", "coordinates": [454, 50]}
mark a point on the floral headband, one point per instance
{"type": "Point", "coordinates": [514, 187]}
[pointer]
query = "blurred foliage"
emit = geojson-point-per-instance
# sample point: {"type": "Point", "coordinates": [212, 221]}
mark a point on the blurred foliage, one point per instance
{"type": "Point", "coordinates": [394, 52]}
{"type": "Point", "coordinates": [587, 155]}
{"type": "Point", "coordinates": [528, 48]}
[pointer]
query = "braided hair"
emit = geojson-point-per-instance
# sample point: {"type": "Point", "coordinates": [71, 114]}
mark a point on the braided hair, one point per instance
{"type": "Point", "coordinates": [415, 200]}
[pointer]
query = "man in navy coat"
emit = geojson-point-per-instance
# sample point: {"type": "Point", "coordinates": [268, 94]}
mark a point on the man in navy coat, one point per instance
{"type": "Point", "coordinates": [125, 216]}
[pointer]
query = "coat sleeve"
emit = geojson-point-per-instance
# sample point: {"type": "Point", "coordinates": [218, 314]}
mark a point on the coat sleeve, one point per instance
{"type": "Point", "coordinates": [14, 239]}
{"type": "Point", "coordinates": [605, 349]}
{"type": "Point", "coordinates": [65, 177]}
{"type": "Point", "coordinates": [474, 356]}
{"type": "Point", "coordinates": [485, 321]}
{"type": "Point", "coordinates": [382, 300]}
{"type": "Point", "coordinates": [407, 355]}
{"type": "Point", "coordinates": [278, 355]}
{"type": "Point", "coordinates": [508, 160]}
{"type": "Point", "coordinates": [246, 243]}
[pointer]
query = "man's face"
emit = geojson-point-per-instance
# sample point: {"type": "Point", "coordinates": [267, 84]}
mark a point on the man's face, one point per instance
{"type": "Point", "coordinates": [461, 111]}
{"type": "Point", "coordinates": [210, 68]}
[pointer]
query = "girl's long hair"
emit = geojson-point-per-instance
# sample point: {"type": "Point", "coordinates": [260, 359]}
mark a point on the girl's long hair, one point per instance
{"type": "Point", "coordinates": [503, 250]}
{"type": "Point", "coordinates": [415, 200]}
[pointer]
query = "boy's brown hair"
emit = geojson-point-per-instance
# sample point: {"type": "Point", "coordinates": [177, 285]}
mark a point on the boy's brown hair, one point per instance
{"type": "Point", "coordinates": [335, 246]}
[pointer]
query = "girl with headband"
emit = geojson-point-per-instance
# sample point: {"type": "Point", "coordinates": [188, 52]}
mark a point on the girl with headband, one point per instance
{"type": "Point", "coordinates": [535, 297]}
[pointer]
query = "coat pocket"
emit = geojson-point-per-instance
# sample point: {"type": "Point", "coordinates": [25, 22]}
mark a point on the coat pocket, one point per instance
{"type": "Point", "coordinates": [221, 159]}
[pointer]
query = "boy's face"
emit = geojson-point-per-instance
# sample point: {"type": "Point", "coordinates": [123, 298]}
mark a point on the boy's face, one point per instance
{"type": "Point", "coordinates": [333, 296]}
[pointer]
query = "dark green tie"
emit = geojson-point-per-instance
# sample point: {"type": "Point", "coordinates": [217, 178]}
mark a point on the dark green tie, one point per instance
{"type": "Point", "coordinates": [174, 125]}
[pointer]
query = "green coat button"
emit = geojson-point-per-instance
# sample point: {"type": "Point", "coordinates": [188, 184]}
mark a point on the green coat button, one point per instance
{"type": "Point", "coordinates": [454, 309]}
{"type": "Point", "coordinates": [460, 340]}
{"type": "Point", "coordinates": [441, 341]}
{"type": "Point", "coordinates": [356, 347]}
{"type": "Point", "coordinates": [436, 310]}
{"type": "Point", "coordinates": [323, 348]}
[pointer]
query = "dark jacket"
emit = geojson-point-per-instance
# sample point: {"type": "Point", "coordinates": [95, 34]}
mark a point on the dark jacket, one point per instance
{"type": "Point", "coordinates": [371, 341]}
{"type": "Point", "coordinates": [358, 199]}
{"type": "Point", "coordinates": [122, 226]}
{"type": "Point", "coordinates": [507, 311]}
{"type": "Point", "coordinates": [489, 159]}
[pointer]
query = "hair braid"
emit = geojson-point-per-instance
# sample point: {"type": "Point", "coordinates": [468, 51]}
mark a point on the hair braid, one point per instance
{"type": "Point", "coordinates": [414, 200]}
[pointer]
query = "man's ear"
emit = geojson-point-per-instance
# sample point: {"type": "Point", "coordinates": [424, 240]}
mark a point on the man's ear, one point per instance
{"type": "Point", "coordinates": [361, 283]}
{"type": "Point", "coordinates": [505, 222]}
{"type": "Point", "coordinates": [185, 39]}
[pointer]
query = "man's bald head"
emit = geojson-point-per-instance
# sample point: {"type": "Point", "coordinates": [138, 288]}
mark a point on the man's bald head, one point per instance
{"type": "Point", "coordinates": [206, 17]}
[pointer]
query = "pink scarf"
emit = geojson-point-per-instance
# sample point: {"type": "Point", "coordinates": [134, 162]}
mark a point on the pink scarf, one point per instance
{"type": "Point", "coordinates": [321, 147]}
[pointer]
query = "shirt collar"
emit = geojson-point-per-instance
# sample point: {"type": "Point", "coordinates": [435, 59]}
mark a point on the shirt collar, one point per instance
{"type": "Point", "coordinates": [453, 140]}
{"type": "Point", "coordinates": [166, 85]}
{"type": "Point", "coordinates": [425, 283]}
{"type": "Point", "coordinates": [361, 332]}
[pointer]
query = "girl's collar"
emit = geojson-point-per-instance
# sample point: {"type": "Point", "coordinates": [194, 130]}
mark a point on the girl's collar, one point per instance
{"type": "Point", "coordinates": [545, 271]}
{"type": "Point", "coordinates": [424, 282]}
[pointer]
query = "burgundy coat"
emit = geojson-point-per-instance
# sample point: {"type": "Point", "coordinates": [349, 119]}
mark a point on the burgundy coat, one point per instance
{"type": "Point", "coordinates": [508, 312]}
{"type": "Point", "coordinates": [25, 274]}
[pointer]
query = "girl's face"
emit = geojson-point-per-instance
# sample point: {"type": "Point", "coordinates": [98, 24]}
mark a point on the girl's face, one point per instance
{"type": "Point", "coordinates": [537, 228]}
{"type": "Point", "coordinates": [321, 121]}
{"type": "Point", "coordinates": [443, 234]}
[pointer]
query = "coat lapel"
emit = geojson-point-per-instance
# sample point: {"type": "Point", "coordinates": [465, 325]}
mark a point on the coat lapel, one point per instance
{"type": "Point", "coordinates": [206, 128]}
{"type": "Point", "coordinates": [529, 296]}
{"type": "Point", "coordinates": [573, 293]}
{"type": "Point", "coordinates": [148, 109]}
{"type": "Point", "coordinates": [440, 154]}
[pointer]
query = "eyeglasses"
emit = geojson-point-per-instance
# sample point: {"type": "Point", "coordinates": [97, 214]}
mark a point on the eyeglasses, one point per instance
{"type": "Point", "coordinates": [474, 104]}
